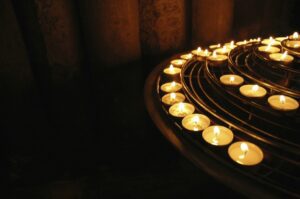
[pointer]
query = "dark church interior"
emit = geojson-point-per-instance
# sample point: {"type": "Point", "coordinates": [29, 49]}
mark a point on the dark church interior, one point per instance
{"type": "Point", "coordinates": [74, 123]}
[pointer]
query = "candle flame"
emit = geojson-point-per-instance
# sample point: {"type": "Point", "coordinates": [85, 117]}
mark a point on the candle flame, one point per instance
{"type": "Point", "coordinates": [216, 131]}
{"type": "Point", "coordinates": [245, 41]}
{"type": "Point", "coordinates": [171, 67]}
{"type": "Point", "coordinates": [255, 88]}
{"type": "Point", "coordinates": [219, 45]}
{"type": "Point", "coordinates": [224, 49]}
{"type": "Point", "coordinates": [268, 47]}
{"type": "Point", "coordinates": [181, 107]}
{"type": "Point", "coordinates": [214, 54]}
{"type": "Point", "coordinates": [199, 50]}
{"type": "Point", "coordinates": [189, 56]}
{"type": "Point", "coordinates": [295, 35]}
{"type": "Point", "coordinates": [231, 78]}
{"type": "Point", "coordinates": [206, 52]}
{"type": "Point", "coordinates": [258, 38]}
{"type": "Point", "coordinates": [283, 56]}
{"type": "Point", "coordinates": [282, 99]}
{"type": "Point", "coordinates": [173, 96]}
{"type": "Point", "coordinates": [173, 84]}
{"type": "Point", "coordinates": [196, 119]}
{"type": "Point", "coordinates": [244, 147]}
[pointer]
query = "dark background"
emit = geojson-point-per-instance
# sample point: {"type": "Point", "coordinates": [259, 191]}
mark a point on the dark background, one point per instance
{"type": "Point", "coordinates": [73, 121]}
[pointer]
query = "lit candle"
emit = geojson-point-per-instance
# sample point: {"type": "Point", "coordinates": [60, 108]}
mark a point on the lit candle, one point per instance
{"type": "Point", "coordinates": [215, 46]}
{"type": "Point", "coordinates": [187, 56]}
{"type": "Point", "coordinates": [197, 51]}
{"type": "Point", "coordinates": [282, 57]}
{"type": "Point", "coordinates": [172, 98]}
{"type": "Point", "coordinates": [294, 36]}
{"type": "Point", "coordinates": [240, 43]}
{"type": "Point", "coordinates": [293, 43]}
{"type": "Point", "coordinates": [171, 87]}
{"type": "Point", "coordinates": [181, 109]}
{"type": "Point", "coordinates": [270, 41]}
{"type": "Point", "coordinates": [178, 62]}
{"type": "Point", "coordinates": [217, 135]}
{"type": "Point", "coordinates": [268, 49]}
{"type": "Point", "coordinates": [283, 103]}
{"type": "Point", "coordinates": [204, 53]}
{"type": "Point", "coordinates": [217, 58]}
{"type": "Point", "coordinates": [230, 45]}
{"type": "Point", "coordinates": [171, 70]}
{"type": "Point", "coordinates": [231, 80]}
{"type": "Point", "coordinates": [195, 122]}
{"type": "Point", "coordinates": [253, 91]}
{"type": "Point", "coordinates": [280, 39]}
{"type": "Point", "coordinates": [245, 153]}
{"type": "Point", "coordinates": [223, 51]}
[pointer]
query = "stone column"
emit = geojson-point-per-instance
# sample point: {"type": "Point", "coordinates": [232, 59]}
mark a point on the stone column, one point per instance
{"type": "Point", "coordinates": [211, 21]}
{"type": "Point", "coordinates": [111, 30]}
{"type": "Point", "coordinates": [163, 26]}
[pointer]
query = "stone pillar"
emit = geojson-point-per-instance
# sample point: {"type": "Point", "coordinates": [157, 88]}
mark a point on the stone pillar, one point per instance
{"type": "Point", "coordinates": [111, 31]}
{"type": "Point", "coordinates": [163, 26]}
{"type": "Point", "coordinates": [211, 21]}
{"type": "Point", "coordinates": [60, 32]}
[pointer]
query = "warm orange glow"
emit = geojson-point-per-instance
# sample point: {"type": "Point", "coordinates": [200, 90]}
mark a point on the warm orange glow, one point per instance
{"type": "Point", "coordinates": [231, 78]}
{"type": "Point", "coordinates": [173, 84]}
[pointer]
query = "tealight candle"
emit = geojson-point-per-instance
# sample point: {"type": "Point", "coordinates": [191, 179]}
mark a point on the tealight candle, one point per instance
{"type": "Point", "coordinates": [231, 80]}
{"type": "Point", "coordinates": [204, 53]}
{"type": "Point", "coordinates": [282, 57]}
{"type": "Point", "coordinates": [171, 87]}
{"type": "Point", "coordinates": [187, 56]}
{"type": "Point", "coordinates": [195, 122]}
{"type": "Point", "coordinates": [270, 41]}
{"type": "Point", "coordinates": [181, 109]}
{"type": "Point", "coordinates": [280, 39]}
{"type": "Point", "coordinates": [240, 43]}
{"type": "Point", "coordinates": [178, 62]}
{"type": "Point", "coordinates": [268, 49]}
{"type": "Point", "coordinates": [217, 135]}
{"type": "Point", "coordinates": [217, 58]}
{"type": "Point", "coordinates": [245, 153]}
{"type": "Point", "coordinates": [215, 46]}
{"type": "Point", "coordinates": [283, 103]}
{"type": "Point", "coordinates": [294, 36]}
{"type": "Point", "coordinates": [172, 98]}
{"type": "Point", "coordinates": [230, 45]}
{"type": "Point", "coordinates": [223, 51]}
{"type": "Point", "coordinates": [172, 70]}
{"type": "Point", "coordinates": [254, 91]}
{"type": "Point", "coordinates": [293, 43]}
{"type": "Point", "coordinates": [197, 51]}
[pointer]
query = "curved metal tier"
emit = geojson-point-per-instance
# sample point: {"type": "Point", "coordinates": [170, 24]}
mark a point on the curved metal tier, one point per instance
{"type": "Point", "coordinates": [276, 133]}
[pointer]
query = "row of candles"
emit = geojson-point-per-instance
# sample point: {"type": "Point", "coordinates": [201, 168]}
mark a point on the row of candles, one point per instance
{"type": "Point", "coordinates": [242, 152]}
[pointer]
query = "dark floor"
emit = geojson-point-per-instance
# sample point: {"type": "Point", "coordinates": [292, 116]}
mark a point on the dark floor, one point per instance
{"type": "Point", "coordinates": [96, 141]}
